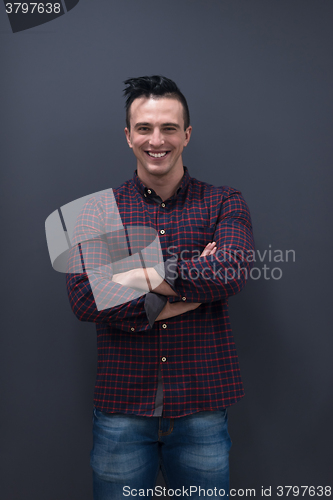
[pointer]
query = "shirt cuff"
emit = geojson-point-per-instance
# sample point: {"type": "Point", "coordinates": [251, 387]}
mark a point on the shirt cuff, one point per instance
{"type": "Point", "coordinates": [168, 271]}
{"type": "Point", "coordinates": [154, 303]}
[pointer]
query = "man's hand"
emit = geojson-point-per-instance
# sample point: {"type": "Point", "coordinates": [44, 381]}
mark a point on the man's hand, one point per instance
{"type": "Point", "coordinates": [209, 249]}
{"type": "Point", "coordinates": [175, 308]}
{"type": "Point", "coordinates": [137, 278]}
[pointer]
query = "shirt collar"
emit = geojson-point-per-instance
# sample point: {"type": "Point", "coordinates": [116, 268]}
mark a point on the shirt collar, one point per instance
{"type": "Point", "coordinates": [143, 190]}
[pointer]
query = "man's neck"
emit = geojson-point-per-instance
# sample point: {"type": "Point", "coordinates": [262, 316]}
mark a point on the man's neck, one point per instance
{"type": "Point", "coordinates": [164, 186]}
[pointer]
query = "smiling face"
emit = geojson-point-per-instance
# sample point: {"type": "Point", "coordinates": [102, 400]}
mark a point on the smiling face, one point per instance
{"type": "Point", "coordinates": [157, 136]}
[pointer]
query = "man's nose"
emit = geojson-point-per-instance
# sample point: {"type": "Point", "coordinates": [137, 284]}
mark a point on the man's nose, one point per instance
{"type": "Point", "coordinates": [156, 138]}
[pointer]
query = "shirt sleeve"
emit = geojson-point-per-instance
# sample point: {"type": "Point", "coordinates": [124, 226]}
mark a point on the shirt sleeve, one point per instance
{"type": "Point", "coordinates": [92, 293]}
{"type": "Point", "coordinates": [215, 277]}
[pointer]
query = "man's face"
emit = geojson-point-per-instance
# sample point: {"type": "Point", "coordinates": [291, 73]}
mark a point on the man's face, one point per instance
{"type": "Point", "coordinates": [157, 135]}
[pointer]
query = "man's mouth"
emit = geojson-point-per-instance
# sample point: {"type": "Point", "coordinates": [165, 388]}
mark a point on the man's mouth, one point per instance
{"type": "Point", "coordinates": [157, 155]}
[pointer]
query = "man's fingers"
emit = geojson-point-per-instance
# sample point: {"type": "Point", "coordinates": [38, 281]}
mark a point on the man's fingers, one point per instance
{"type": "Point", "coordinates": [209, 249]}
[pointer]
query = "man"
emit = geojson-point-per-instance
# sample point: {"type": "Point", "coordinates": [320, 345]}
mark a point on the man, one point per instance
{"type": "Point", "coordinates": [167, 364]}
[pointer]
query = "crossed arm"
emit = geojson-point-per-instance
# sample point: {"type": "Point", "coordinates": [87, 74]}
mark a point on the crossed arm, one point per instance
{"type": "Point", "coordinates": [149, 279]}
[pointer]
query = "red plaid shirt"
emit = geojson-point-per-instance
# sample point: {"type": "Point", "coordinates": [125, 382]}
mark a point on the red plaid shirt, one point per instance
{"type": "Point", "coordinates": [195, 351]}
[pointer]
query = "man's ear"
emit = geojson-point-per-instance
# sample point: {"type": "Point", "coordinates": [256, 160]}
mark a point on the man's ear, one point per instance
{"type": "Point", "coordinates": [188, 132]}
{"type": "Point", "coordinates": [128, 137]}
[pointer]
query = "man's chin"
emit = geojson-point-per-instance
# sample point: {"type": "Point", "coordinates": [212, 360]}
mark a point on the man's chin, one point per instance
{"type": "Point", "coordinates": [157, 170]}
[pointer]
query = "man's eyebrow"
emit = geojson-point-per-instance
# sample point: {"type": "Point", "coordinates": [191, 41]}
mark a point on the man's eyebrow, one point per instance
{"type": "Point", "coordinates": [140, 124]}
{"type": "Point", "coordinates": [170, 125]}
{"type": "Point", "coordinates": [146, 124]}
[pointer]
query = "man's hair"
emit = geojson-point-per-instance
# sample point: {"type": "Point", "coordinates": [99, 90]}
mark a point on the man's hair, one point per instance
{"type": "Point", "coordinates": [153, 87]}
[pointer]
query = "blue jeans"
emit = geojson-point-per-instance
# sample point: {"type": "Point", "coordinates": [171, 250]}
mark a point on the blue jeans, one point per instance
{"type": "Point", "coordinates": [128, 450]}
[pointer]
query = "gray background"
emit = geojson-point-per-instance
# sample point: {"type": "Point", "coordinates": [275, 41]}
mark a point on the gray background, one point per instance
{"type": "Point", "coordinates": [258, 78]}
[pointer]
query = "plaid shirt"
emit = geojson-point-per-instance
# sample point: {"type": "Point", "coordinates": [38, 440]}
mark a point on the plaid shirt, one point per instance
{"type": "Point", "coordinates": [194, 351]}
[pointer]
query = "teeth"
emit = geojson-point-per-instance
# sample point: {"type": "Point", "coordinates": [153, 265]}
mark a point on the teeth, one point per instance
{"type": "Point", "coordinates": [156, 155]}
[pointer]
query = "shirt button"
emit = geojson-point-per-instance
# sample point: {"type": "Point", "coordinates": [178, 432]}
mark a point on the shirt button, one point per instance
{"type": "Point", "coordinates": [148, 191]}
{"type": "Point", "coordinates": [163, 359]}
{"type": "Point", "coordinates": [144, 194]}
{"type": "Point", "coordinates": [163, 205]}
{"type": "Point", "coordinates": [184, 298]}
{"type": "Point", "coordinates": [132, 329]}
{"type": "Point", "coordinates": [164, 325]}
{"type": "Point", "coordinates": [162, 231]}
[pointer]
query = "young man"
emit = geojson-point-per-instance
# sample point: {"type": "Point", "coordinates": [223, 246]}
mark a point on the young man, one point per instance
{"type": "Point", "coordinates": [167, 364]}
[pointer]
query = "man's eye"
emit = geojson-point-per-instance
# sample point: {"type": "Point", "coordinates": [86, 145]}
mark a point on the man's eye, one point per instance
{"type": "Point", "coordinates": [170, 129]}
{"type": "Point", "coordinates": [143, 129]}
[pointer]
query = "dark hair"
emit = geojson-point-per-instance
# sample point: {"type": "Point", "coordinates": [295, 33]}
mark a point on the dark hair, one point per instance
{"type": "Point", "coordinates": [153, 86]}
